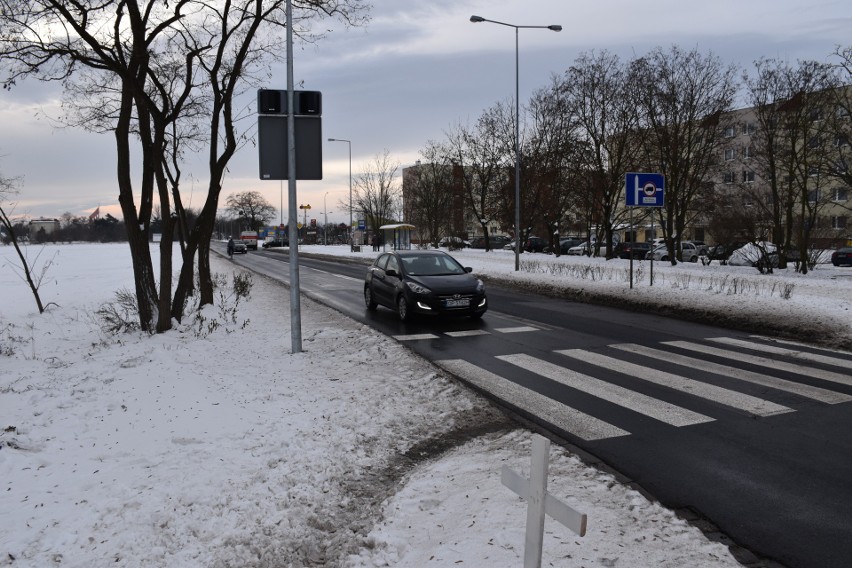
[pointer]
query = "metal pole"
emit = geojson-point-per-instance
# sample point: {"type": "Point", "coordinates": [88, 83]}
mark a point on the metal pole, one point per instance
{"type": "Point", "coordinates": [555, 28]}
{"type": "Point", "coordinates": [295, 306]}
{"type": "Point", "coordinates": [325, 219]}
{"type": "Point", "coordinates": [517, 157]}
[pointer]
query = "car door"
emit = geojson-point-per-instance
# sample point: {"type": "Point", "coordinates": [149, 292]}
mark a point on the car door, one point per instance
{"type": "Point", "coordinates": [385, 279]}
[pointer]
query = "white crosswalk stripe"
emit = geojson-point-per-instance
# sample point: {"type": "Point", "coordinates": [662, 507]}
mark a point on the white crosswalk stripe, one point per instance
{"type": "Point", "coordinates": [627, 398]}
{"type": "Point", "coordinates": [560, 415]}
{"type": "Point", "coordinates": [747, 403]}
{"type": "Point", "coordinates": [587, 427]}
{"type": "Point", "coordinates": [468, 333]}
{"type": "Point", "coordinates": [764, 361]}
{"type": "Point", "coordinates": [801, 389]}
{"type": "Point", "coordinates": [415, 336]}
{"type": "Point", "coordinates": [519, 329]}
{"type": "Point", "coordinates": [793, 353]}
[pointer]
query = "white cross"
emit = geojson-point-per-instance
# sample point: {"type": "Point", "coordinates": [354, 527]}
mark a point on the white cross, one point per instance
{"type": "Point", "coordinates": [539, 502]}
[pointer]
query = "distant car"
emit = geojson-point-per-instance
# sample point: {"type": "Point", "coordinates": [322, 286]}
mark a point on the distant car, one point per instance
{"type": "Point", "coordinates": [579, 249]}
{"type": "Point", "coordinates": [689, 252]}
{"type": "Point", "coordinates": [751, 254]}
{"type": "Point", "coordinates": [423, 282]}
{"type": "Point", "coordinates": [534, 244]}
{"type": "Point", "coordinates": [240, 247]}
{"type": "Point", "coordinates": [565, 243]}
{"type": "Point", "coordinates": [496, 242]}
{"type": "Point", "coordinates": [635, 250]}
{"type": "Point", "coordinates": [509, 246]}
{"type": "Point", "coordinates": [275, 243]}
{"type": "Point", "coordinates": [842, 257]}
{"type": "Point", "coordinates": [453, 243]}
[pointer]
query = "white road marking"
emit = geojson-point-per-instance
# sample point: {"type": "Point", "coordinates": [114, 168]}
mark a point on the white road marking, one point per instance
{"type": "Point", "coordinates": [516, 329]}
{"type": "Point", "coordinates": [764, 361]}
{"type": "Point", "coordinates": [415, 336]}
{"type": "Point", "coordinates": [560, 415]}
{"type": "Point", "coordinates": [632, 400]}
{"type": "Point", "coordinates": [752, 405]}
{"type": "Point", "coordinates": [468, 333]}
{"type": "Point", "coordinates": [805, 390]}
{"type": "Point", "coordinates": [773, 350]}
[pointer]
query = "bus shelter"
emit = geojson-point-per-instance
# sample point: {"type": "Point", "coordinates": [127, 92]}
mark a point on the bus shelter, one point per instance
{"type": "Point", "coordinates": [398, 236]}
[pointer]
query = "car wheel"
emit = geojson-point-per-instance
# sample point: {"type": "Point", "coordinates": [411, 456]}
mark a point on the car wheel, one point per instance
{"type": "Point", "coordinates": [664, 258]}
{"type": "Point", "coordinates": [402, 308]}
{"type": "Point", "coordinates": [368, 299]}
{"type": "Point", "coordinates": [693, 259]}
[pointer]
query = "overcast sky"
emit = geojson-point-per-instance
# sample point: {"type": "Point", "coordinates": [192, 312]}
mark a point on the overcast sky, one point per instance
{"type": "Point", "coordinates": [417, 69]}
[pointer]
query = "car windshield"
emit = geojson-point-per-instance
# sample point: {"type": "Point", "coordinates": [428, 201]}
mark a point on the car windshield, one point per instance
{"type": "Point", "coordinates": [431, 265]}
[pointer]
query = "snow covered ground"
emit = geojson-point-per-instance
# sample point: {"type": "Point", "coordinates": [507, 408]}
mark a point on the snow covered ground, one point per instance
{"type": "Point", "coordinates": [212, 446]}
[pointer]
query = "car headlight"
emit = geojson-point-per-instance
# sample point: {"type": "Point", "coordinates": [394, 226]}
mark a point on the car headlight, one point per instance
{"type": "Point", "coordinates": [418, 288]}
{"type": "Point", "coordinates": [480, 287]}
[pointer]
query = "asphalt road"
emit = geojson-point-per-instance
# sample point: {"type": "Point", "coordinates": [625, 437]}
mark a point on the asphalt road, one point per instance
{"type": "Point", "coordinates": [750, 433]}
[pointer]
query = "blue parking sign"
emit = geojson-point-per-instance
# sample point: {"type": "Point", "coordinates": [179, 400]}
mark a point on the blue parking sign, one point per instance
{"type": "Point", "coordinates": [645, 190]}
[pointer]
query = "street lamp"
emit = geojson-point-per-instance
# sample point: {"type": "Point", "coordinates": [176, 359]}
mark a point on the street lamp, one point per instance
{"type": "Point", "coordinates": [555, 28]}
{"type": "Point", "coordinates": [349, 143]}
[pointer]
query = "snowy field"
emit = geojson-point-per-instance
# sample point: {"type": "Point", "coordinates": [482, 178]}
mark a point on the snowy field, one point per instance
{"type": "Point", "coordinates": [203, 448]}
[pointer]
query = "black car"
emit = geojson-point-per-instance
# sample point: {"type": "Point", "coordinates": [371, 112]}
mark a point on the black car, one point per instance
{"type": "Point", "coordinates": [636, 250]}
{"type": "Point", "coordinates": [496, 242]}
{"type": "Point", "coordinates": [842, 256]}
{"type": "Point", "coordinates": [535, 244]}
{"type": "Point", "coordinates": [423, 282]}
{"type": "Point", "coordinates": [275, 243]}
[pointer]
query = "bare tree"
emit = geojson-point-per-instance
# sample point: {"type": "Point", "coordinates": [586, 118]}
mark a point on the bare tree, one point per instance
{"type": "Point", "coordinates": [28, 271]}
{"type": "Point", "coordinates": [597, 93]}
{"type": "Point", "coordinates": [795, 147]}
{"type": "Point", "coordinates": [428, 193]}
{"type": "Point", "coordinates": [480, 156]}
{"type": "Point", "coordinates": [144, 70]}
{"type": "Point", "coordinates": [377, 192]}
{"type": "Point", "coordinates": [251, 205]}
{"type": "Point", "coordinates": [682, 98]}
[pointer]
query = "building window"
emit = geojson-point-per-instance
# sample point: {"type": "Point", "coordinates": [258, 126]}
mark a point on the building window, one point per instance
{"type": "Point", "coordinates": [730, 131]}
{"type": "Point", "coordinates": [813, 196]}
{"type": "Point", "coordinates": [816, 114]}
{"type": "Point", "coordinates": [813, 171]}
{"type": "Point", "coordinates": [838, 222]}
{"type": "Point", "coordinates": [841, 194]}
{"type": "Point", "coordinates": [842, 111]}
{"type": "Point", "coordinates": [841, 140]}
{"type": "Point", "coordinates": [748, 152]}
{"type": "Point", "coordinates": [814, 142]}
{"type": "Point", "coordinates": [730, 154]}
{"type": "Point", "coordinates": [748, 176]}
{"type": "Point", "coordinates": [750, 128]}
{"type": "Point", "coordinates": [729, 177]}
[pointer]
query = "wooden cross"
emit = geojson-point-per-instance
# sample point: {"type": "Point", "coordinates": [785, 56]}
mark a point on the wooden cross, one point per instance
{"type": "Point", "coordinates": [539, 502]}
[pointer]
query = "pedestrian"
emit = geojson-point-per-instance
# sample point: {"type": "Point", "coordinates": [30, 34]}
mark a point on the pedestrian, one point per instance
{"type": "Point", "coordinates": [231, 248]}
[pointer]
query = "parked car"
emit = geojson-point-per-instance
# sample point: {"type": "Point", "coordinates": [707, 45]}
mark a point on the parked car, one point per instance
{"type": "Point", "coordinates": [453, 243]}
{"type": "Point", "coordinates": [240, 247]}
{"type": "Point", "coordinates": [722, 252]}
{"type": "Point", "coordinates": [509, 246]}
{"type": "Point", "coordinates": [565, 243]}
{"type": "Point", "coordinates": [496, 241]}
{"type": "Point", "coordinates": [751, 254]}
{"type": "Point", "coordinates": [842, 257]}
{"type": "Point", "coordinates": [535, 244]}
{"type": "Point", "coordinates": [635, 250]}
{"type": "Point", "coordinates": [689, 252]}
{"type": "Point", "coordinates": [423, 282]}
{"type": "Point", "coordinates": [275, 243]}
{"type": "Point", "coordinates": [578, 249]}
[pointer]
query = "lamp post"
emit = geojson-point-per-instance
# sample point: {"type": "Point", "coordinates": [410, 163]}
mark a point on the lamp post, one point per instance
{"type": "Point", "coordinates": [325, 217]}
{"type": "Point", "coordinates": [555, 28]}
{"type": "Point", "coordinates": [349, 143]}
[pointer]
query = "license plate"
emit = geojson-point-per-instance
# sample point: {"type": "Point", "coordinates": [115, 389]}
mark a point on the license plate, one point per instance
{"type": "Point", "coordinates": [463, 303]}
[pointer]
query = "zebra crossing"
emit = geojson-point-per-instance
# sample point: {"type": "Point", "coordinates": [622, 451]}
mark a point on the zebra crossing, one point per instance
{"type": "Point", "coordinates": [727, 359]}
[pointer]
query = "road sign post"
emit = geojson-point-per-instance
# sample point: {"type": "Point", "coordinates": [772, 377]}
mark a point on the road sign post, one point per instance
{"type": "Point", "coordinates": [644, 190]}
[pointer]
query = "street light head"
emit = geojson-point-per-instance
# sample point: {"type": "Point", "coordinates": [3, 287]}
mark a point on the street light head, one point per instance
{"type": "Point", "coordinates": [477, 19]}
{"type": "Point", "coordinates": [555, 28]}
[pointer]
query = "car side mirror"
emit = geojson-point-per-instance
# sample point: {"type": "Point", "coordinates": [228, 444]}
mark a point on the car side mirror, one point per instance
{"type": "Point", "coordinates": [391, 272]}
{"type": "Point", "coordinates": [468, 269]}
